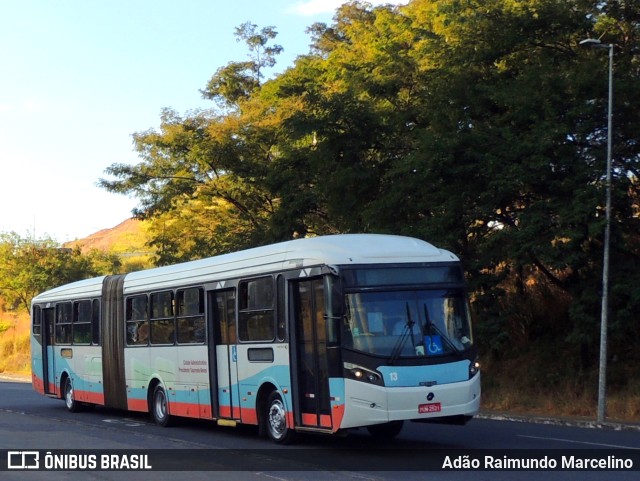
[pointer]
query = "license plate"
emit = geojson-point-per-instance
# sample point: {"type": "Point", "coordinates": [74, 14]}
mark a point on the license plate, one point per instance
{"type": "Point", "coordinates": [429, 408]}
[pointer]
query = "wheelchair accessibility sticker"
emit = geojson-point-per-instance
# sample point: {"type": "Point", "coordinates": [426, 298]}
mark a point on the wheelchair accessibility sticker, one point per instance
{"type": "Point", "coordinates": [433, 345]}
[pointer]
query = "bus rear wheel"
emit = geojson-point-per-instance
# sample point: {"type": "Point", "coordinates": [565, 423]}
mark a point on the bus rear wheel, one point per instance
{"type": "Point", "coordinates": [276, 420]}
{"type": "Point", "coordinates": [160, 407]}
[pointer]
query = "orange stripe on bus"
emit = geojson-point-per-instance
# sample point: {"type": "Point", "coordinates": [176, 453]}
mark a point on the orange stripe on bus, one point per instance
{"type": "Point", "coordinates": [338, 415]}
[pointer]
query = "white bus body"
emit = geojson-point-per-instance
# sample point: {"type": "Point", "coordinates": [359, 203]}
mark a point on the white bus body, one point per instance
{"type": "Point", "coordinates": [319, 334]}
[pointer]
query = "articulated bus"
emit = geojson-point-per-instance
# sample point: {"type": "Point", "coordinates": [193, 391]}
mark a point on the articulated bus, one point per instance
{"type": "Point", "coordinates": [318, 334]}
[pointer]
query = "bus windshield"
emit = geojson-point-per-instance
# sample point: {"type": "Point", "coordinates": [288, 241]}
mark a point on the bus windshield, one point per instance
{"type": "Point", "coordinates": [408, 323]}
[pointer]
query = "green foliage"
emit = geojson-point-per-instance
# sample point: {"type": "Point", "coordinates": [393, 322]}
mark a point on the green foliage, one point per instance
{"type": "Point", "coordinates": [477, 125]}
{"type": "Point", "coordinates": [238, 80]}
{"type": "Point", "coordinates": [28, 267]}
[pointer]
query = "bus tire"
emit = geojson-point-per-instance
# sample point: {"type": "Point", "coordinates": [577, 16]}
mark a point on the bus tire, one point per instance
{"type": "Point", "coordinates": [73, 406]}
{"type": "Point", "coordinates": [387, 430]}
{"type": "Point", "coordinates": [160, 407]}
{"type": "Point", "coordinates": [276, 420]}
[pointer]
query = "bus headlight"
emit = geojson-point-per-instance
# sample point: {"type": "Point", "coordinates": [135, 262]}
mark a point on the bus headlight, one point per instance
{"type": "Point", "coordinates": [360, 373]}
{"type": "Point", "coordinates": [474, 367]}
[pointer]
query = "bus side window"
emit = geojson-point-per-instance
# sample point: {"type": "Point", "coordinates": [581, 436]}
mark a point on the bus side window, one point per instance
{"type": "Point", "coordinates": [137, 322]}
{"type": "Point", "coordinates": [190, 316]}
{"type": "Point", "coordinates": [37, 320]}
{"type": "Point", "coordinates": [256, 311]}
{"type": "Point", "coordinates": [63, 323]}
{"type": "Point", "coordinates": [95, 323]}
{"type": "Point", "coordinates": [281, 328]}
{"type": "Point", "coordinates": [82, 322]}
{"type": "Point", "coordinates": [162, 321]}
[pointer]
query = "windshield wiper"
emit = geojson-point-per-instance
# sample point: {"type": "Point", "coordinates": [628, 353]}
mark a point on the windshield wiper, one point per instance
{"type": "Point", "coordinates": [442, 335]}
{"type": "Point", "coordinates": [402, 340]}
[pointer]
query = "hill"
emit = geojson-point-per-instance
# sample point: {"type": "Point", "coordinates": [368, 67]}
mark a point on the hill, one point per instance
{"type": "Point", "coordinates": [127, 239]}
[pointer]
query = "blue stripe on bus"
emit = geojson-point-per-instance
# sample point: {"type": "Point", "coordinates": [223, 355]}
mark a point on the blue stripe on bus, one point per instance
{"type": "Point", "coordinates": [408, 376]}
{"type": "Point", "coordinates": [277, 375]}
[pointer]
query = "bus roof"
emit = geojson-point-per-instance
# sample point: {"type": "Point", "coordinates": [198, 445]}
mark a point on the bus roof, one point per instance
{"type": "Point", "coordinates": [339, 250]}
{"type": "Point", "coordinates": [76, 290]}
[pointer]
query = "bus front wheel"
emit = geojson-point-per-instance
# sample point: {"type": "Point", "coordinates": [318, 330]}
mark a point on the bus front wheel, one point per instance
{"type": "Point", "coordinates": [160, 407]}
{"type": "Point", "coordinates": [69, 396]}
{"type": "Point", "coordinates": [276, 420]}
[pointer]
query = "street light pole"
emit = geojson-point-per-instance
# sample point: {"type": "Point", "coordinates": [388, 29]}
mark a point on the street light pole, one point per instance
{"type": "Point", "coordinates": [604, 313]}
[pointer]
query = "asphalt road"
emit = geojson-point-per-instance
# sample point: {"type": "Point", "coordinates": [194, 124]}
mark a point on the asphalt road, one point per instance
{"type": "Point", "coordinates": [29, 421]}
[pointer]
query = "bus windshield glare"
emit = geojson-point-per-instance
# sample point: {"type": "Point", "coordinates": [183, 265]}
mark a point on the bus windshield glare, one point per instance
{"type": "Point", "coordinates": [407, 323]}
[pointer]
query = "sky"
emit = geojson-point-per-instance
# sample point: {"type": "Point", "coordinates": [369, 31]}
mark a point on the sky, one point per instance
{"type": "Point", "coordinates": [79, 77]}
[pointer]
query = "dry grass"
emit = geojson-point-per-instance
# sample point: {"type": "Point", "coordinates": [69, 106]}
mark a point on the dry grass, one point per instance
{"type": "Point", "coordinates": [15, 354]}
{"type": "Point", "coordinates": [506, 390]}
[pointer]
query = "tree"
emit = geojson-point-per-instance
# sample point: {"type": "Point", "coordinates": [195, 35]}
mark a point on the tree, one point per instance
{"type": "Point", "coordinates": [477, 125]}
{"type": "Point", "coordinates": [29, 266]}
{"type": "Point", "coordinates": [238, 80]}
{"type": "Point", "coordinates": [198, 165]}
{"type": "Point", "coordinates": [211, 165]}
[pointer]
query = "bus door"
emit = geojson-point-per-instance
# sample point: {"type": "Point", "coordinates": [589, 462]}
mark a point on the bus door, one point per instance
{"type": "Point", "coordinates": [312, 399]}
{"type": "Point", "coordinates": [48, 357]}
{"type": "Point", "coordinates": [223, 354]}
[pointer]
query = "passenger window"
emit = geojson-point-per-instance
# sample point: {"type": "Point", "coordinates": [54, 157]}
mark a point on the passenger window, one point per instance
{"type": "Point", "coordinates": [95, 323]}
{"type": "Point", "coordinates": [162, 321]}
{"type": "Point", "coordinates": [255, 310]}
{"type": "Point", "coordinates": [82, 312]}
{"type": "Point", "coordinates": [190, 316]}
{"type": "Point", "coordinates": [63, 323]}
{"type": "Point", "coordinates": [37, 320]}
{"type": "Point", "coordinates": [136, 320]}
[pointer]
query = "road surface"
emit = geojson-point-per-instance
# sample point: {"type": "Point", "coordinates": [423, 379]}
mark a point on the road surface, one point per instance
{"type": "Point", "coordinates": [29, 421]}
